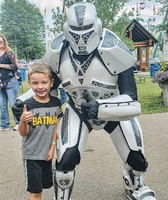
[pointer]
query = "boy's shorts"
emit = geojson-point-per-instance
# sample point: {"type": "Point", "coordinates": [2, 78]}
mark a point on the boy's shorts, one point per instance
{"type": "Point", "coordinates": [38, 175]}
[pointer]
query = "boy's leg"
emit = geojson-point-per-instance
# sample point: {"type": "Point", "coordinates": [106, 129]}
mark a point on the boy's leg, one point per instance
{"type": "Point", "coordinates": [35, 196]}
{"type": "Point", "coordinates": [34, 178]}
{"type": "Point", "coordinates": [46, 179]}
{"type": "Point", "coordinates": [47, 174]}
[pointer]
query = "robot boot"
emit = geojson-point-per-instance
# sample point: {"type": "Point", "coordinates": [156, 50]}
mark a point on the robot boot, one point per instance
{"type": "Point", "coordinates": [63, 184]}
{"type": "Point", "coordinates": [135, 188]}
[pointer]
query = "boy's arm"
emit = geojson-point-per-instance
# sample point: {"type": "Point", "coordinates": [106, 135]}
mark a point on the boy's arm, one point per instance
{"type": "Point", "coordinates": [51, 151]}
{"type": "Point", "coordinates": [25, 118]}
{"type": "Point", "coordinates": [55, 137]}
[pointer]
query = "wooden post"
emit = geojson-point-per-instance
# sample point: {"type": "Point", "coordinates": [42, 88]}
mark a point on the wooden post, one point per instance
{"type": "Point", "coordinates": [165, 94]}
{"type": "Point", "coordinates": [140, 57]}
{"type": "Point", "coordinates": [130, 35]}
{"type": "Point", "coordinates": [147, 57]}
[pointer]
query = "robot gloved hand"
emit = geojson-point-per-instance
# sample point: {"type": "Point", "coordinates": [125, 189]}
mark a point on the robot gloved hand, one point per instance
{"type": "Point", "coordinates": [90, 109]}
{"type": "Point", "coordinates": [18, 109]}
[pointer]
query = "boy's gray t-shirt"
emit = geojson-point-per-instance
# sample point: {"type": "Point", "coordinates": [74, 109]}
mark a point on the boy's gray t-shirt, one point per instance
{"type": "Point", "coordinates": [36, 144]}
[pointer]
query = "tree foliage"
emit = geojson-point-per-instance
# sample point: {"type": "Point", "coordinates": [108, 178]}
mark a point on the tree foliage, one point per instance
{"type": "Point", "coordinates": [164, 12]}
{"type": "Point", "coordinates": [23, 25]}
{"type": "Point", "coordinates": [58, 19]}
{"type": "Point", "coordinates": [110, 12]}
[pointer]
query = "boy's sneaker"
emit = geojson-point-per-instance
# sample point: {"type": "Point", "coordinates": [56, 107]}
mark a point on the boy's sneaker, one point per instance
{"type": "Point", "coordinates": [16, 127]}
{"type": "Point", "coordinates": [4, 129]}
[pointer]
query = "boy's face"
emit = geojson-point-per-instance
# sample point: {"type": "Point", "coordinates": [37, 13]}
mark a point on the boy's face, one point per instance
{"type": "Point", "coordinates": [40, 84]}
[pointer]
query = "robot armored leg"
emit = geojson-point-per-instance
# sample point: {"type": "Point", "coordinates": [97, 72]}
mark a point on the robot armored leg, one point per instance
{"type": "Point", "coordinates": [72, 138]}
{"type": "Point", "coordinates": [135, 188]}
{"type": "Point", "coordinates": [64, 173]}
{"type": "Point", "coordinates": [128, 140]}
{"type": "Point", "coordinates": [63, 184]}
{"type": "Point", "coordinates": [134, 182]}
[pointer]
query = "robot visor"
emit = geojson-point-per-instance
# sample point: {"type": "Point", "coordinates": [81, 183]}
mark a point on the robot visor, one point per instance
{"type": "Point", "coordinates": [81, 28]}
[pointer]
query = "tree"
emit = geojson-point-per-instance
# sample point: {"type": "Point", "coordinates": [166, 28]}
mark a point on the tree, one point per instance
{"type": "Point", "coordinates": [58, 21]}
{"type": "Point", "coordinates": [164, 12]}
{"type": "Point", "coordinates": [108, 11]}
{"type": "Point", "coordinates": [23, 25]}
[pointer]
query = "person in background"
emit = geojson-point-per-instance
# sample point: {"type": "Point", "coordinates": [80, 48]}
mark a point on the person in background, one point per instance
{"type": "Point", "coordinates": [9, 85]}
{"type": "Point", "coordinates": [137, 66]}
{"type": "Point", "coordinates": [37, 125]}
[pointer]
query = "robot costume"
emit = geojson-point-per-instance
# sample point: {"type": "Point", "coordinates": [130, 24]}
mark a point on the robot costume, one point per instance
{"type": "Point", "coordinates": [95, 69]}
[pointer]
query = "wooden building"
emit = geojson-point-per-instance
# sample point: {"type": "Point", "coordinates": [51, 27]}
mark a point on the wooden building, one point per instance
{"type": "Point", "coordinates": [142, 40]}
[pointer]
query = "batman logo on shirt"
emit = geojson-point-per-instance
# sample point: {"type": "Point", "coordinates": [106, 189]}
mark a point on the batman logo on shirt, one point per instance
{"type": "Point", "coordinates": [46, 120]}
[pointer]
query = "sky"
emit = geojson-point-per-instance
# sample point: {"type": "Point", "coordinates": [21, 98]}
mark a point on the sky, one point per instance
{"type": "Point", "coordinates": [146, 9]}
{"type": "Point", "coordinates": [145, 13]}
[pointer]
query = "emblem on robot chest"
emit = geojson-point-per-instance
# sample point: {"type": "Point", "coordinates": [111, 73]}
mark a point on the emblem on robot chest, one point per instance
{"type": "Point", "coordinates": [80, 68]}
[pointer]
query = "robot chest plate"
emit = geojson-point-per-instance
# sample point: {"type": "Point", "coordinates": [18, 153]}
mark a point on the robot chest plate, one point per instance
{"type": "Point", "coordinates": [90, 75]}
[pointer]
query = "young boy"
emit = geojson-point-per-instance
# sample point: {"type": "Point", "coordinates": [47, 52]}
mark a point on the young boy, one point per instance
{"type": "Point", "coordinates": [37, 125]}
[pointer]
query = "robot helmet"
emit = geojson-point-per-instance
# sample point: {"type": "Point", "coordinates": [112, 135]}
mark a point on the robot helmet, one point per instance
{"type": "Point", "coordinates": [82, 29]}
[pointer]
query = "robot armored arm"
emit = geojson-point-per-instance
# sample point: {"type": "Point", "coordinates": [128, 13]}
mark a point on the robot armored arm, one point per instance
{"type": "Point", "coordinates": [124, 106]}
{"type": "Point", "coordinates": [119, 108]}
{"type": "Point", "coordinates": [17, 108]}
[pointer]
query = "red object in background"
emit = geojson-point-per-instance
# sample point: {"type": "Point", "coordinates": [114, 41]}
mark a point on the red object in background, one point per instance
{"type": "Point", "coordinates": [141, 6]}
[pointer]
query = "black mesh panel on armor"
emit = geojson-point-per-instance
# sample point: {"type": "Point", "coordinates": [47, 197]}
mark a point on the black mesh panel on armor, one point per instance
{"type": "Point", "coordinates": [80, 12]}
{"type": "Point", "coordinates": [64, 129]}
{"type": "Point", "coordinates": [137, 161]}
{"type": "Point", "coordinates": [136, 133]}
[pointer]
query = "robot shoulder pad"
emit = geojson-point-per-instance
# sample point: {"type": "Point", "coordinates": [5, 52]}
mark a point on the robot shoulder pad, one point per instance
{"type": "Point", "coordinates": [114, 53]}
{"type": "Point", "coordinates": [52, 55]}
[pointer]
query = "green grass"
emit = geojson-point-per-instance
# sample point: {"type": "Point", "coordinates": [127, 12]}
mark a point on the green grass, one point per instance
{"type": "Point", "coordinates": [26, 87]}
{"type": "Point", "coordinates": [149, 95]}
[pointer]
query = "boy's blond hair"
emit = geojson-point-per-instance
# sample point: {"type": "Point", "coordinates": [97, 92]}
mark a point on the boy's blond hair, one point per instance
{"type": "Point", "coordinates": [39, 67]}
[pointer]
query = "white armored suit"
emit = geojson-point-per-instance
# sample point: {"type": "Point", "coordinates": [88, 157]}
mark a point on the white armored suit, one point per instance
{"type": "Point", "coordinates": [95, 69]}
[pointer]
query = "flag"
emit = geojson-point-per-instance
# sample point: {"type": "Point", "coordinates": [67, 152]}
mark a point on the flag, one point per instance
{"type": "Point", "coordinates": [142, 5]}
{"type": "Point", "coordinates": [63, 7]}
{"type": "Point", "coordinates": [154, 10]}
{"type": "Point", "coordinates": [137, 10]}
{"type": "Point", "coordinates": [45, 10]}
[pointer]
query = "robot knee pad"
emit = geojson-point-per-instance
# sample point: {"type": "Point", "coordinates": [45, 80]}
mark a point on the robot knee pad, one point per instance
{"type": "Point", "coordinates": [70, 159]}
{"type": "Point", "coordinates": [63, 184]}
{"type": "Point", "coordinates": [137, 161]}
{"type": "Point", "coordinates": [64, 180]}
